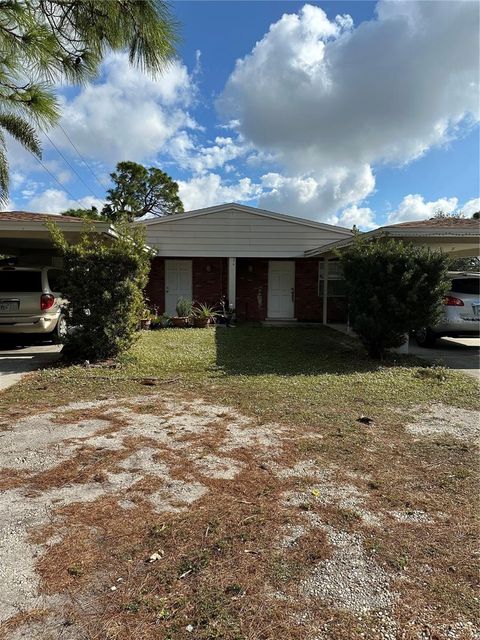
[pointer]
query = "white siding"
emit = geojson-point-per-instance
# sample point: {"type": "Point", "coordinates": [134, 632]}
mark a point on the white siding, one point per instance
{"type": "Point", "coordinates": [234, 233]}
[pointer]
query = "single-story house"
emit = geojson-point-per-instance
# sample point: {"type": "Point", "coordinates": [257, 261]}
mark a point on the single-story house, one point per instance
{"type": "Point", "coordinates": [271, 266]}
{"type": "Point", "coordinates": [254, 258]}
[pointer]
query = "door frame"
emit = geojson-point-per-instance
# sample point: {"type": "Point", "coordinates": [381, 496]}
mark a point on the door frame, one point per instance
{"type": "Point", "coordinates": [283, 317]}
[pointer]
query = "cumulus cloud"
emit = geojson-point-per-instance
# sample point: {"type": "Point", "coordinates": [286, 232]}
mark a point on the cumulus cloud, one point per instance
{"type": "Point", "coordinates": [316, 196]}
{"type": "Point", "coordinates": [128, 114]}
{"type": "Point", "coordinates": [203, 158]}
{"type": "Point", "coordinates": [208, 190]}
{"type": "Point", "coordinates": [56, 201]}
{"type": "Point", "coordinates": [471, 207]}
{"type": "Point", "coordinates": [414, 207]}
{"type": "Point", "coordinates": [329, 99]}
{"type": "Point", "coordinates": [361, 217]}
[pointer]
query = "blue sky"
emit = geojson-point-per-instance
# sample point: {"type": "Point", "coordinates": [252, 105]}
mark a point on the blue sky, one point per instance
{"type": "Point", "coordinates": [343, 112]}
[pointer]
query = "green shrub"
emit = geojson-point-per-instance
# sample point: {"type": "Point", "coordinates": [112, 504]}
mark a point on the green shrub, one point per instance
{"type": "Point", "coordinates": [103, 283]}
{"type": "Point", "coordinates": [392, 288]}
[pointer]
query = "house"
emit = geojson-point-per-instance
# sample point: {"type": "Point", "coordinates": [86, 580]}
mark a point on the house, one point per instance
{"type": "Point", "coordinates": [257, 259]}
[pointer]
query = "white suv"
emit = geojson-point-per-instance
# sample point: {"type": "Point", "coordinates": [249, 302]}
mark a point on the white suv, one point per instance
{"type": "Point", "coordinates": [461, 316]}
{"type": "Point", "coordinates": [30, 302]}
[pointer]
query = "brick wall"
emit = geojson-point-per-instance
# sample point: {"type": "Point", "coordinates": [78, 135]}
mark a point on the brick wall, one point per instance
{"type": "Point", "coordinates": [308, 304]}
{"type": "Point", "coordinates": [252, 288]}
{"type": "Point", "coordinates": [155, 289]}
{"type": "Point", "coordinates": [209, 280]}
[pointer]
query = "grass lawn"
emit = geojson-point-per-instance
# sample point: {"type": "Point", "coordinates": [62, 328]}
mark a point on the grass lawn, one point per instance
{"type": "Point", "coordinates": [307, 523]}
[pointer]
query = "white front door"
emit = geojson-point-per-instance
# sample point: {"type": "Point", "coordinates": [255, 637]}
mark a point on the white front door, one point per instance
{"type": "Point", "coordinates": [178, 283]}
{"type": "Point", "coordinates": [281, 288]}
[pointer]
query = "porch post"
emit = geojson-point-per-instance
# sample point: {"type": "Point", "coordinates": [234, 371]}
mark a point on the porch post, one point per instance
{"type": "Point", "coordinates": [232, 282]}
{"type": "Point", "coordinates": [325, 290]}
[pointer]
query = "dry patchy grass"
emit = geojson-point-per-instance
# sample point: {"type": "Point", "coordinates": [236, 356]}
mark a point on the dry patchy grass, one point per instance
{"type": "Point", "coordinates": [223, 569]}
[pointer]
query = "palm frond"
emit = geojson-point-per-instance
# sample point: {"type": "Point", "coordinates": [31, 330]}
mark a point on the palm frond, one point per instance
{"type": "Point", "coordinates": [4, 181]}
{"type": "Point", "coordinates": [22, 131]}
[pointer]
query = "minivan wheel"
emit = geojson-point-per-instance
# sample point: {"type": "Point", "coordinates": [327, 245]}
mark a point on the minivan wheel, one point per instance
{"type": "Point", "coordinates": [425, 337]}
{"type": "Point", "coordinates": [60, 331]}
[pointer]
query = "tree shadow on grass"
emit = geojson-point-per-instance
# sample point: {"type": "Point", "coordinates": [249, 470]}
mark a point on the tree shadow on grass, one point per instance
{"type": "Point", "coordinates": [291, 351]}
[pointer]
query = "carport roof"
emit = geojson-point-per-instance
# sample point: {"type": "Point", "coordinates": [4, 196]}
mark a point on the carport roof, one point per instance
{"type": "Point", "coordinates": [455, 236]}
{"type": "Point", "coordinates": [19, 216]}
{"type": "Point", "coordinates": [433, 223]}
{"type": "Point", "coordinates": [24, 230]}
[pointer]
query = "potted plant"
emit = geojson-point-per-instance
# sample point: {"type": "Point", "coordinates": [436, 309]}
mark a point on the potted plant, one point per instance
{"type": "Point", "coordinates": [146, 319]}
{"type": "Point", "coordinates": [202, 315]}
{"type": "Point", "coordinates": [161, 321]}
{"type": "Point", "coordinates": [184, 312]}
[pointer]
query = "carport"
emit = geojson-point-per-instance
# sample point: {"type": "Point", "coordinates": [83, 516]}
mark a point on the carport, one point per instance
{"type": "Point", "coordinates": [25, 236]}
{"type": "Point", "coordinates": [457, 237]}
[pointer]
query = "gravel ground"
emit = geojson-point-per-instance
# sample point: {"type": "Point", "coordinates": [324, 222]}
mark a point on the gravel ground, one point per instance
{"type": "Point", "coordinates": [349, 579]}
{"type": "Point", "coordinates": [441, 420]}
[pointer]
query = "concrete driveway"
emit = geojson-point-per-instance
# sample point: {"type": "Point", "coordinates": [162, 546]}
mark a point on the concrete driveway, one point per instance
{"type": "Point", "coordinates": [462, 354]}
{"type": "Point", "coordinates": [16, 361]}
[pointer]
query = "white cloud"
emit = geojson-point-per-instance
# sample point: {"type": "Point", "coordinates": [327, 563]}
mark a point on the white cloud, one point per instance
{"type": "Point", "coordinates": [471, 207]}
{"type": "Point", "coordinates": [414, 207]}
{"type": "Point", "coordinates": [127, 115]}
{"type": "Point", "coordinates": [316, 196]}
{"type": "Point", "coordinates": [330, 100]}
{"type": "Point", "coordinates": [201, 159]}
{"type": "Point", "coordinates": [361, 217]}
{"type": "Point", "coordinates": [208, 190]}
{"type": "Point", "coordinates": [56, 201]}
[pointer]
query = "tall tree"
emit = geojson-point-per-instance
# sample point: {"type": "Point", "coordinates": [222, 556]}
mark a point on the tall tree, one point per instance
{"type": "Point", "coordinates": [44, 42]}
{"type": "Point", "coordinates": [139, 191]}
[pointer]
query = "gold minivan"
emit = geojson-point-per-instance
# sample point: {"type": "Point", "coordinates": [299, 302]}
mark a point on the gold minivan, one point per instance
{"type": "Point", "coordinates": [30, 302]}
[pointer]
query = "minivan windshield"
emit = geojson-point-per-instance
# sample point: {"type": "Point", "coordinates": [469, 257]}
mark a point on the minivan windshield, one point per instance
{"type": "Point", "coordinates": [12, 281]}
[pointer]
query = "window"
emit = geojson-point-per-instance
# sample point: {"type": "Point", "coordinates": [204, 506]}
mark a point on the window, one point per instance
{"type": "Point", "coordinates": [12, 281]}
{"type": "Point", "coordinates": [336, 282]}
{"type": "Point", "coordinates": [54, 279]}
{"type": "Point", "coordinates": [466, 285]}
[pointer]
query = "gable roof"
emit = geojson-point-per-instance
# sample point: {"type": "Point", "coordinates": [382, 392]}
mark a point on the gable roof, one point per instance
{"type": "Point", "coordinates": [179, 217]}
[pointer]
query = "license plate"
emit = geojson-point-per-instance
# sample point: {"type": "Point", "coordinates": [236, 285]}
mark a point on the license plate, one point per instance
{"type": "Point", "coordinates": [8, 306]}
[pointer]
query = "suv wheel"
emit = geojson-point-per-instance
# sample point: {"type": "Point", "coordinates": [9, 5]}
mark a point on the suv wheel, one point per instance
{"type": "Point", "coordinates": [60, 331]}
{"type": "Point", "coordinates": [425, 337]}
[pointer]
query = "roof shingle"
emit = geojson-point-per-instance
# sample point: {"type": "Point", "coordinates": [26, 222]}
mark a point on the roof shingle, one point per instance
{"type": "Point", "coordinates": [440, 222]}
{"type": "Point", "coordinates": [28, 216]}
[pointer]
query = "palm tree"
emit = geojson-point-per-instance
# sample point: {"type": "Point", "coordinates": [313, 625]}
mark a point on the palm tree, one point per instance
{"type": "Point", "coordinates": [43, 42]}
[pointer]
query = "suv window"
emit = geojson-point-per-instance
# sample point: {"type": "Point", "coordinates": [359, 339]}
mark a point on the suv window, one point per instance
{"type": "Point", "coordinates": [20, 281]}
{"type": "Point", "coordinates": [466, 285]}
{"type": "Point", "coordinates": [54, 279]}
